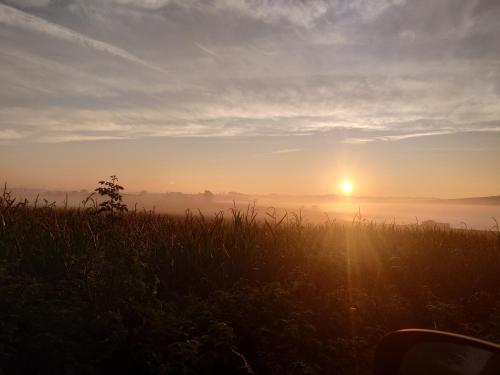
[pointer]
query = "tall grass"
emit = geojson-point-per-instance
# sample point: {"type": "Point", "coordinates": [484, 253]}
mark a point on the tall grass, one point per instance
{"type": "Point", "coordinates": [88, 293]}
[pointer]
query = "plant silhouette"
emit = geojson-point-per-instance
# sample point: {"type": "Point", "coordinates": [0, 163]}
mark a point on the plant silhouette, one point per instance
{"type": "Point", "coordinates": [111, 190]}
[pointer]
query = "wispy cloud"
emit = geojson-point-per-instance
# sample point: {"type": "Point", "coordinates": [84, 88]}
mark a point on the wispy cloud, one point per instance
{"type": "Point", "coordinates": [297, 12]}
{"type": "Point", "coordinates": [279, 152]}
{"type": "Point", "coordinates": [145, 4]}
{"type": "Point", "coordinates": [357, 141]}
{"type": "Point", "coordinates": [399, 137]}
{"type": "Point", "coordinates": [62, 138]}
{"type": "Point", "coordinates": [29, 3]}
{"type": "Point", "coordinates": [13, 17]}
{"type": "Point", "coordinates": [285, 151]}
{"type": "Point", "coordinates": [11, 134]}
{"type": "Point", "coordinates": [207, 50]}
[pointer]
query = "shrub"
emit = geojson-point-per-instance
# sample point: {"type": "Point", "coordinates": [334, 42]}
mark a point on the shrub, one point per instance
{"type": "Point", "coordinates": [111, 191]}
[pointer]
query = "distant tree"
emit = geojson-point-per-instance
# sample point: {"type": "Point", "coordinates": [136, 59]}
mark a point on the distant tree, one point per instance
{"type": "Point", "coordinates": [111, 190]}
{"type": "Point", "coordinates": [208, 195]}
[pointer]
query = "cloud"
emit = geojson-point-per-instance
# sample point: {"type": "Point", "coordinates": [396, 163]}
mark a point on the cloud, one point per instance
{"type": "Point", "coordinates": [12, 134]}
{"type": "Point", "coordinates": [297, 12]}
{"type": "Point", "coordinates": [399, 137]}
{"type": "Point", "coordinates": [362, 70]}
{"type": "Point", "coordinates": [145, 4]}
{"type": "Point", "coordinates": [285, 151]}
{"type": "Point", "coordinates": [29, 3]}
{"type": "Point", "coordinates": [16, 18]}
{"type": "Point", "coordinates": [63, 138]}
{"type": "Point", "coordinates": [207, 50]}
{"type": "Point", "coordinates": [357, 141]}
{"type": "Point", "coordinates": [279, 152]}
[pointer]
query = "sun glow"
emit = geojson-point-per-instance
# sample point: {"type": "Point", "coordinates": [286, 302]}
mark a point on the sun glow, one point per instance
{"type": "Point", "coordinates": [346, 187]}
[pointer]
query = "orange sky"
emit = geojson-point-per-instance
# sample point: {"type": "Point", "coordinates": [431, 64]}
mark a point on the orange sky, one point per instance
{"type": "Point", "coordinates": [407, 168]}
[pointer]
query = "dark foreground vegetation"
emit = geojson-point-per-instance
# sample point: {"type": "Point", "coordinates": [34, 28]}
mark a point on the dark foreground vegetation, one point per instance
{"type": "Point", "coordinates": [83, 292]}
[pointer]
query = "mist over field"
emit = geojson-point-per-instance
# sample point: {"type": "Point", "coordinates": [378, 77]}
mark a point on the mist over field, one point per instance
{"type": "Point", "coordinates": [472, 213]}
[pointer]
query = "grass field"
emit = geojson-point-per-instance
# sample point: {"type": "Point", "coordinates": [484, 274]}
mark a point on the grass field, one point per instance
{"type": "Point", "coordinates": [88, 293]}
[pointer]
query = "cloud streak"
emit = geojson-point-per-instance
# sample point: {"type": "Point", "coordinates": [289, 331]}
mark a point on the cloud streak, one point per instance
{"type": "Point", "coordinates": [30, 3]}
{"type": "Point", "coordinates": [63, 138]}
{"type": "Point", "coordinates": [207, 50]}
{"type": "Point", "coordinates": [400, 137]}
{"type": "Point", "coordinates": [13, 17]}
{"type": "Point", "coordinates": [285, 151]}
{"type": "Point", "coordinates": [296, 12]}
{"type": "Point", "coordinates": [12, 134]}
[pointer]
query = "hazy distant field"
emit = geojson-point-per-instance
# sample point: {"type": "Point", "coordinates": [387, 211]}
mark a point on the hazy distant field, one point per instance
{"type": "Point", "coordinates": [459, 214]}
{"type": "Point", "coordinates": [89, 293]}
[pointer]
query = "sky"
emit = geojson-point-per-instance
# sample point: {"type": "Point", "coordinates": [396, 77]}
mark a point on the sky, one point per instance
{"type": "Point", "coordinates": [401, 97]}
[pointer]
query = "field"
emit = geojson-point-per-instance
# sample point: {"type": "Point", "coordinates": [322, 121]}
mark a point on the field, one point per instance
{"type": "Point", "coordinates": [97, 293]}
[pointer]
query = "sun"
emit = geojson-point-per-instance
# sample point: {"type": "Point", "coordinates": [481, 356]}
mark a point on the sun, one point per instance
{"type": "Point", "coordinates": [346, 187]}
